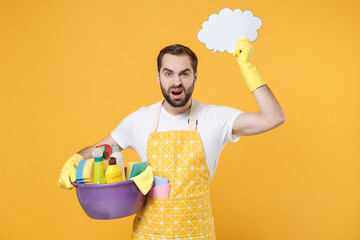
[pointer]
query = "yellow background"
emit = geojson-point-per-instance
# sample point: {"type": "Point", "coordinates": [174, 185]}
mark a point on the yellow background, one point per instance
{"type": "Point", "coordinates": [70, 71]}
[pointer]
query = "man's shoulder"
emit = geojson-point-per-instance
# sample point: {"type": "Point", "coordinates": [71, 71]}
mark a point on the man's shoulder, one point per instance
{"type": "Point", "coordinates": [148, 109]}
{"type": "Point", "coordinates": [202, 107]}
{"type": "Point", "coordinates": [214, 109]}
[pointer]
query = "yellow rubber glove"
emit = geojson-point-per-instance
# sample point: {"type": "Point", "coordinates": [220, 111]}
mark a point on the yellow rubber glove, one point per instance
{"type": "Point", "coordinates": [68, 172]}
{"type": "Point", "coordinates": [243, 52]}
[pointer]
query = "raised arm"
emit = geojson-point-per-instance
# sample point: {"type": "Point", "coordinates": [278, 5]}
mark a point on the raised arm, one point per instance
{"type": "Point", "coordinates": [270, 113]}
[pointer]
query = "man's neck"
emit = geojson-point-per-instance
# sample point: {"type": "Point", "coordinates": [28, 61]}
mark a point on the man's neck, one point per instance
{"type": "Point", "coordinates": [176, 110]}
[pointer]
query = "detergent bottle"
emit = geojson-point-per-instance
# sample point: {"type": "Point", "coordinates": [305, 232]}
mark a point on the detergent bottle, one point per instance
{"type": "Point", "coordinates": [99, 177]}
{"type": "Point", "coordinates": [119, 159]}
{"type": "Point", "coordinates": [113, 173]}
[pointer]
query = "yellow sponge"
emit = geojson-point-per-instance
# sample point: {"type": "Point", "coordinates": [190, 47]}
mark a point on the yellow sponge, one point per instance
{"type": "Point", "coordinates": [134, 169]}
{"type": "Point", "coordinates": [88, 171]}
{"type": "Point", "coordinates": [129, 169]}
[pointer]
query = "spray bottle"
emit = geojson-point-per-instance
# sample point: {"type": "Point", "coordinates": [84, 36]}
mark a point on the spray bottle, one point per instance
{"type": "Point", "coordinates": [99, 177]}
{"type": "Point", "coordinates": [119, 158]}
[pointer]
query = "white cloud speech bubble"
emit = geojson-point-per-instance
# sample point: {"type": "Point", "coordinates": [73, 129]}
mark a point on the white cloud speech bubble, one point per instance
{"type": "Point", "coordinates": [222, 31]}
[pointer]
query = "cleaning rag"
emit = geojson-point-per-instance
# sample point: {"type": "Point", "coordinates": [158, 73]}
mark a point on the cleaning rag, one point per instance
{"type": "Point", "coordinates": [144, 180]}
{"type": "Point", "coordinates": [160, 181]}
{"type": "Point", "coordinates": [162, 191]}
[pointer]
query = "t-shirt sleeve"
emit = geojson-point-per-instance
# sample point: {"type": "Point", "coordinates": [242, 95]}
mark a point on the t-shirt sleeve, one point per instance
{"type": "Point", "coordinates": [225, 118]}
{"type": "Point", "coordinates": [123, 133]}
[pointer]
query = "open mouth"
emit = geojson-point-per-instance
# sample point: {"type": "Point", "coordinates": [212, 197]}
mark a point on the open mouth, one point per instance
{"type": "Point", "coordinates": [177, 93]}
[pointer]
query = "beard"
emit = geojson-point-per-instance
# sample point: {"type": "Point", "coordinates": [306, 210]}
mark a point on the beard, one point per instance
{"type": "Point", "coordinates": [178, 102]}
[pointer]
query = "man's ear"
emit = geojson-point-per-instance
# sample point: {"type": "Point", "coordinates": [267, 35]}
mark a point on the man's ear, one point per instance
{"type": "Point", "coordinates": [195, 76]}
{"type": "Point", "coordinates": [158, 76]}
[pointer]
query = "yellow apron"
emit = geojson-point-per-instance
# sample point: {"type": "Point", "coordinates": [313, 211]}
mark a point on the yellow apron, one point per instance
{"type": "Point", "coordinates": [178, 156]}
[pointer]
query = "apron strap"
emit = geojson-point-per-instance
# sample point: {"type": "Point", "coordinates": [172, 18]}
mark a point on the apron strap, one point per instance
{"type": "Point", "coordinates": [192, 121]}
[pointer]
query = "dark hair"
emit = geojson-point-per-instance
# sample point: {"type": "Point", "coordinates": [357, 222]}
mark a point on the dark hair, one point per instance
{"type": "Point", "coordinates": [177, 50]}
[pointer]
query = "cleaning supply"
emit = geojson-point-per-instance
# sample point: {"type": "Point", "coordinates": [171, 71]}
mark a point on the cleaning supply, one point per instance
{"type": "Point", "coordinates": [106, 164]}
{"type": "Point", "coordinates": [88, 171]}
{"type": "Point", "coordinates": [79, 171]}
{"type": "Point", "coordinates": [136, 168]}
{"type": "Point", "coordinates": [160, 181]}
{"type": "Point", "coordinates": [99, 177]}
{"type": "Point", "coordinates": [162, 191]}
{"type": "Point", "coordinates": [144, 180]}
{"type": "Point", "coordinates": [243, 52]}
{"type": "Point", "coordinates": [80, 168]}
{"type": "Point", "coordinates": [114, 173]}
{"type": "Point", "coordinates": [115, 148]}
{"type": "Point", "coordinates": [119, 158]}
{"type": "Point", "coordinates": [108, 150]}
{"type": "Point", "coordinates": [68, 172]}
{"type": "Point", "coordinates": [128, 169]}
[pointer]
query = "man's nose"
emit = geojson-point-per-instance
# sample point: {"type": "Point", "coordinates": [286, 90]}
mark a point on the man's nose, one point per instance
{"type": "Point", "coordinates": [177, 80]}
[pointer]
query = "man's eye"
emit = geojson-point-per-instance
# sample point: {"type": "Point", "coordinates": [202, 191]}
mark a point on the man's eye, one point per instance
{"type": "Point", "coordinates": [185, 74]}
{"type": "Point", "coordinates": [168, 74]}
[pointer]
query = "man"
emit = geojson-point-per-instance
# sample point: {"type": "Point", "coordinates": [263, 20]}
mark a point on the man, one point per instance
{"type": "Point", "coordinates": [181, 139]}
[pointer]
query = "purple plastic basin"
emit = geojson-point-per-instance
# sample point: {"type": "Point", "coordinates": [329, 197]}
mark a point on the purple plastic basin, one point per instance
{"type": "Point", "coordinates": [110, 201]}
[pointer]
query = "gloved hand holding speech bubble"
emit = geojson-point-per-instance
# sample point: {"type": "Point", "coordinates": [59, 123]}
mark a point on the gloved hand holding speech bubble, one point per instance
{"type": "Point", "coordinates": [222, 31]}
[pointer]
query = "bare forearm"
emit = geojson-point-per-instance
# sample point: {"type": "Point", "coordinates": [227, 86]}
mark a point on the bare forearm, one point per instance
{"type": "Point", "coordinates": [269, 107]}
{"type": "Point", "coordinates": [86, 153]}
{"type": "Point", "coordinates": [271, 114]}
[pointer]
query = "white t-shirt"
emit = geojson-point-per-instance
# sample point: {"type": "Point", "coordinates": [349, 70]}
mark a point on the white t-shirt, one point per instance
{"type": "Point", "coordinates": [214, 127]}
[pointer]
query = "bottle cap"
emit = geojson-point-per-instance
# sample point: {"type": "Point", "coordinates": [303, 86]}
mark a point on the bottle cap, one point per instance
{"type": "Point", "coordinates": [112, 161]}
{"type": "Point", "coordinates": [115, 148]}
